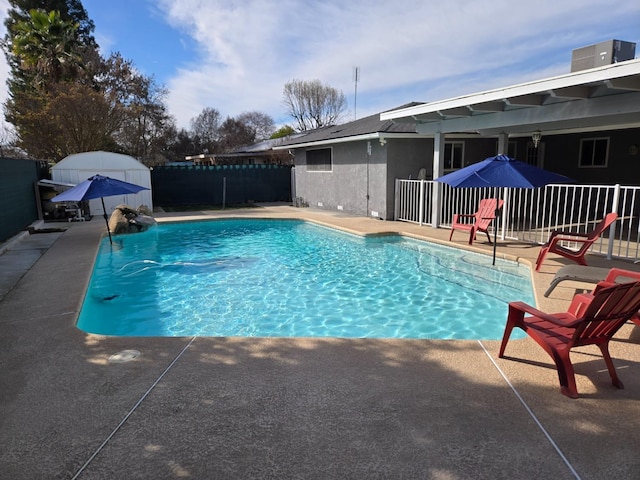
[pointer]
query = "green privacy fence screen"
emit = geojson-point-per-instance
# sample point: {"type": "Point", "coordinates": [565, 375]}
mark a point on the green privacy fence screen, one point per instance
{"type": "Point", "coordinates": [17, 195]}
{"type": "Point", "coordinates": [220, 184]}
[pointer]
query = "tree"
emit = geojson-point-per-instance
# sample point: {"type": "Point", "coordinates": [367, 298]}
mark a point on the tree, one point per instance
{"type": "Point", "coordinates": [7, 142]}
{"type": "Point", "coordinates": [72, 118]}
{"type": "Point", "coordinates": [48, 48]}
{"type": "Point", "coordinates": [261, 123]}
{"type": "Point", "coordinates": [70, 11]}
{"type": "Point", "coordinates": [283, 132]}
{"type": "Point", "coordinates": [51, 35]}
{"type": "Point", "coordinates": [205, 129]}
{"type": "Point", "coordinates": [47, 45]}
{"type": "Point", "coordinates": [179, 144]}
{"type": "Point", "coordinates": [235, 133]}
{"type": "Point", "coordinates": [312, 104]}
{"type": "Point", "coordinates": [146, 122]}
{"type": "Point", "coordinates": [65, 98]}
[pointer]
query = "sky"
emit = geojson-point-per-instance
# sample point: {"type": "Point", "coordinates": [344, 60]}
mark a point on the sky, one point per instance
{"type": "Point", "coordinates": [237, 55]}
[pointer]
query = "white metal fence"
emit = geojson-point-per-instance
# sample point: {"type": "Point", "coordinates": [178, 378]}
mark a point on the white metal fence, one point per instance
{"type": "Point", "coordinates": [529, 215]}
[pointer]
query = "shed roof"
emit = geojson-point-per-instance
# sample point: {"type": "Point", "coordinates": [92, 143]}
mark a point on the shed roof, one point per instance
{"type": "Point", "coordinates": [99, 161]}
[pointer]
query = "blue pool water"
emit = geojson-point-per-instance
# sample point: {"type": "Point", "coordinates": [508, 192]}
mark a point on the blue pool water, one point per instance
{"type": "Point", "coordinates": [289, 278]}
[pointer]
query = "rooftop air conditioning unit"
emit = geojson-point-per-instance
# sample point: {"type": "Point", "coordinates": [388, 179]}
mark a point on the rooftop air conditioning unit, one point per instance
{"type": "Point", "coordinates": [601, 54]}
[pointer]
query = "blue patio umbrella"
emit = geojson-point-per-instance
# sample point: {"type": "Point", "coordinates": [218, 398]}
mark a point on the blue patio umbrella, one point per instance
{"type": "Point", "coordinates": [98, 186]}
{"type": "Point", "coordinates": [498, 172]}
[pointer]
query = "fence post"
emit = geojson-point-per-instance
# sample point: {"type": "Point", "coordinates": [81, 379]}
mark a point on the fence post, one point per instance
{"type": "Point", "coordinates": [421, 204]}
{"type": "Point", "coordinates": [224, 192]}
{"type": "Point", "coordinates": [612, 228]}
{"type": "Point", "coordinates": [396, 201]}
{"type": "Point", "coordinates": [438, 171]}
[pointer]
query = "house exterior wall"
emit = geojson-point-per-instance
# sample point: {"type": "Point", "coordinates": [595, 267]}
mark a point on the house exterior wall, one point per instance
{"type": "Point", "coordinates": [354, 174]}
{"type": "Point", "coordinates": [359, 183]}
{"type": "Point", "coordinates": [405, 158]}
{"type": "Point", "coordinates": [562, 155]}
{"type": "Point", "coordinates": [477, 149]}
{"type": "Point", "coordinates": [363, 184]}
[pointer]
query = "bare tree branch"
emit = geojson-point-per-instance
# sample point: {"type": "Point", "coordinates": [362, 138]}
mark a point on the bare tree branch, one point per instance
{"type": "Point", "coordinates": [313, 104]}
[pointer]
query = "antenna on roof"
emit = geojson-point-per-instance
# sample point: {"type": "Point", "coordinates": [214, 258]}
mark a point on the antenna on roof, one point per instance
{"type": "Point", "coordinates": [356, 77]}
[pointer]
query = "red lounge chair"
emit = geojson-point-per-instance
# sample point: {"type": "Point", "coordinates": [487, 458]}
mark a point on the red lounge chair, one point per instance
{"type": "Point", "coordinates": [481, 219]}
{"type": "Point", "coordinates": [592, 319]}
{"type": "Point", "coordinates": [586, 239]}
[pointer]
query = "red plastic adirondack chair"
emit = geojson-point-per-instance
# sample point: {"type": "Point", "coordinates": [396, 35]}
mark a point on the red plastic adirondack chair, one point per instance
{"type": "Point", "coordinates": [585, 239]}
{"type": "Point", "coordinates": [592, 319]}
{"type": "Point", "coordinates": [619, 275]}
{"type": "Point", "coordinates": [481, 219]}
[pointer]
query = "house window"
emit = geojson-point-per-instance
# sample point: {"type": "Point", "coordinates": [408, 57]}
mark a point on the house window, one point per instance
{"type": "Point", "coordinates": [594, 152]}
{"type": "Point", "coordinates": [453, 155]}
{"type": "Point", "coordinates": [319, 160]}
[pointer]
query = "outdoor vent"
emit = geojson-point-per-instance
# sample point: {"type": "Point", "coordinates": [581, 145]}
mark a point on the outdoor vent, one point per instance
{"type": "Point", "coordinates": [601, 54]}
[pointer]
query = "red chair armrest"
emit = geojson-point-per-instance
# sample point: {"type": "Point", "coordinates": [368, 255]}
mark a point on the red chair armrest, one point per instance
{"type": "Point", "coordinates": [555, 240]}
{"type": "Point", "coordinates": [458, 216]}
{"type": "Point", "coordinates": [566, 233]}
{"type": "Point", "coordinates": [526, 308]}
{"type": "Point", "coordinates": [569, 233]}
{"type": "Point", "coordinates": [626, 275]}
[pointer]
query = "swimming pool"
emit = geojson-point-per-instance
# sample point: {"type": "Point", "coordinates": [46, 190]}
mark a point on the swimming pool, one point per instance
{"type": "Point", "coordinates": [290, 278]}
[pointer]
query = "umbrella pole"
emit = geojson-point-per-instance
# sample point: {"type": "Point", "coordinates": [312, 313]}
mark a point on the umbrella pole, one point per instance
{"type": "Point", "coordinates": [106, 220]}
{"type": "Point", "coordinates": [495, 231]}
{"type": "Point", "coordinates": [495, 239]}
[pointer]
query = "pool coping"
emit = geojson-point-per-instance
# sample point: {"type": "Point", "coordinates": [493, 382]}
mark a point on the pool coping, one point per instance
{"type": "Point", "coordinates": [381, 409]}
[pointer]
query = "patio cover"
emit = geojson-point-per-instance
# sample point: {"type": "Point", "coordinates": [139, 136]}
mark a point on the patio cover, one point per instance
{"type": "Point", "coordinates": [589, 100]}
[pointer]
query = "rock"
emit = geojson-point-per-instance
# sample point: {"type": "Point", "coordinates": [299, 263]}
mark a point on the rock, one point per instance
{"type": "Point", "coordinates": [144, 210]}
{"type": "Point", "coordinates": [125, 219]}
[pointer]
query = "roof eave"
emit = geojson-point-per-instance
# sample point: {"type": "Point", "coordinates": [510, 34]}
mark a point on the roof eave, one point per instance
{"type": "Point", "coordinates": [355, 138]}
{"type": "Point", "coordinates": [608, 72]}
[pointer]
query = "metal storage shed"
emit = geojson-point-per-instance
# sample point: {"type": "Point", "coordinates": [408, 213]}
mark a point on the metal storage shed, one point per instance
{"type": "Point", "coordinates": [80, 166]}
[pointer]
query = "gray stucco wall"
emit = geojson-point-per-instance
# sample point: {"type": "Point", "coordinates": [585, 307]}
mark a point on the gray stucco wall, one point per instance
{"type": "Point", "coordinates": [345, 186]}
{"type": "Point", "coordinates": [562, 153]}
{"type": "Point", "coordinates": [360, 183]}
{"type": "Point", "coordinates": [405, 158]}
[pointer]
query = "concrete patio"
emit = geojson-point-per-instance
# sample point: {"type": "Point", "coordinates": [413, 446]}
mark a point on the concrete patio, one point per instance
{"type": "Point", "coordinates": [284, 408]}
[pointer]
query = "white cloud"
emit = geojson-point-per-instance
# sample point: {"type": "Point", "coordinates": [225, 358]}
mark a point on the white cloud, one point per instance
{"type": "Point", "coordinates": [250, 49]}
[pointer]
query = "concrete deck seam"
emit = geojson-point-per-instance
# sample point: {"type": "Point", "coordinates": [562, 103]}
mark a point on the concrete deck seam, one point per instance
{"type": "Point", "coordinates": [531, 414]}
{"type": "Point", "coordinates": [39, 317]}
{"type": "Point", "coordinates": [133, 409]}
